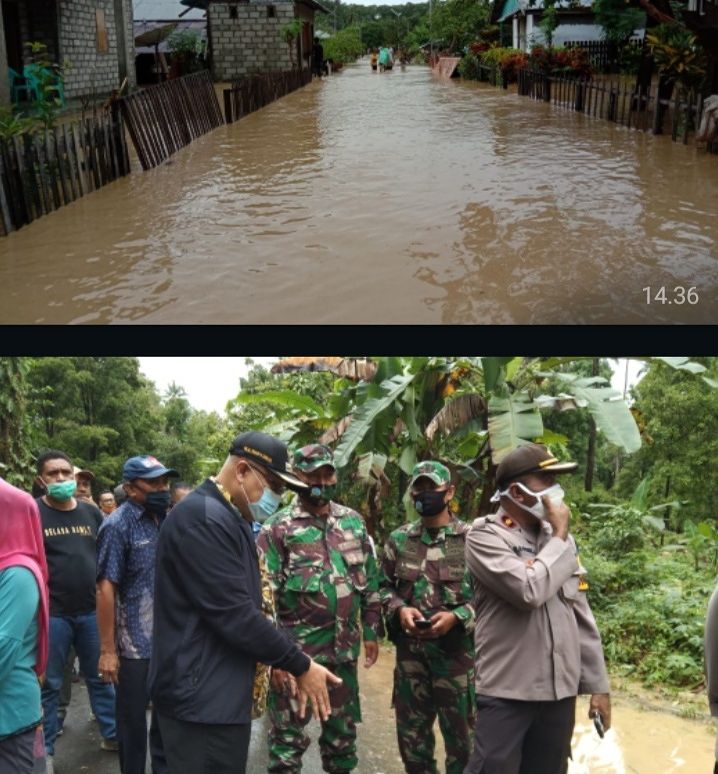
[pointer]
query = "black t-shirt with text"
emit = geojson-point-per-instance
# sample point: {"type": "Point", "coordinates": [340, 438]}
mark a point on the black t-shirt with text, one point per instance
{"type": "Point", "coordinates": [70, 546]}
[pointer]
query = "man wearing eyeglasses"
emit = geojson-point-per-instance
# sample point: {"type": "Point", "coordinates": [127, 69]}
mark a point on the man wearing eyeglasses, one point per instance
{"type": "Point", "coordinates": [326, 582]}
{"type": "Point", "coordinates": [210, 630]}
{"type": "Point", "coordinates": [126, 556]}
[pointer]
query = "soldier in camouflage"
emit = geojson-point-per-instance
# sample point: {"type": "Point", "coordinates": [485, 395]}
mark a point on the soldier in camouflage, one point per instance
{"type": "Point", "coordinates": [325, 579]}
{"type": "Point", "coordinates": [426, 594]}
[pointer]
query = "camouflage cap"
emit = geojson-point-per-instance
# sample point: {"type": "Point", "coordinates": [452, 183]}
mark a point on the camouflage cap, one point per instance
{"type": "Point", "coordinates": [313, 456]}
{"type": "Point", "coordinates": [432, 470]}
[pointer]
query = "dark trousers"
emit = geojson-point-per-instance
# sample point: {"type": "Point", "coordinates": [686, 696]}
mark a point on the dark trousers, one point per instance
{"type": "Point", "coordinates": [203, 748]}
{"type": "Point", "coordinates": [23, 753]}
{"type": "Point", "coordinates": [131, 698]}
{"type": "Point", "coordinates": [522, 737]}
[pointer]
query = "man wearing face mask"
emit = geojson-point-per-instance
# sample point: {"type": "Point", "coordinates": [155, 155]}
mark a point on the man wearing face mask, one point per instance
{"type": "Point", "coordinates": [126, 556]}
{"type": "Point", "coordinates": [326, 584]}
{"type": "Point", "coordinates": [209, 627]}
{"type": "Point", "coordinates": [426, 595]}
{"type": "Point", "coordinates": [70, 529]}
{"type": "Point", "coordinates": [84, 479]}
{"type": "Point", "coordinates": [537, 644]}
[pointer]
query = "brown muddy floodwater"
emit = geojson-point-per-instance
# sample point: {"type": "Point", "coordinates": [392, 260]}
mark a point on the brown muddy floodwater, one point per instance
{"type": "Point", "coordinates": [641, 742]}
{"type": "Point", "coordinates": [385, 198]}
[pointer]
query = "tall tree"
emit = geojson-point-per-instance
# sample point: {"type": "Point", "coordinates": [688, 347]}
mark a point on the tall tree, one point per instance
{"type": "Point", "coordinates": [15, 454]}
{"type": "Point", "coordinates": [99, 410]}
{"type": "Point", "coordinates": [680, 414]}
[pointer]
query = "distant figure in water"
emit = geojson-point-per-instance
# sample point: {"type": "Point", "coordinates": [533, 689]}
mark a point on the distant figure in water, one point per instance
{"type": "Point", "coordinates": [374, 59]}
{"type": "Point", "coordinates": [318, 67]}
{"type": "Point", "coordinates": [386, 61]}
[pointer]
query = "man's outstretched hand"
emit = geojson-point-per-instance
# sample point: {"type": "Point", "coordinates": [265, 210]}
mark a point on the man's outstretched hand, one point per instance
{"type": "Point", "coordinates": [313, 687]}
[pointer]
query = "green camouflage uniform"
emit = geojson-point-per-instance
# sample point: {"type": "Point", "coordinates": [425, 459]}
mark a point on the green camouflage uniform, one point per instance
{"type": "Point", "coordinates": [325, 578]}
{"type": "Point", "coordinates": [431, 676]}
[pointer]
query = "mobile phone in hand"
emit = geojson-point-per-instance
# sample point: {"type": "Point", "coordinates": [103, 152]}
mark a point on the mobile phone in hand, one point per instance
{"type": "Point", "coordinates": [598, 723]}
{"type": "Point", "coordinates": [422, 623]}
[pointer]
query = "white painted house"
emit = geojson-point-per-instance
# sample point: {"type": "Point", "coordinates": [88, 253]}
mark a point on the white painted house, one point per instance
{"type": "Point", "coordinates": [576, 22]}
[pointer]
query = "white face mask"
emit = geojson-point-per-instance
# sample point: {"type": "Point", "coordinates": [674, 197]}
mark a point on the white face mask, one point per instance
{"type": "Point", "coordinates": [555, 494]}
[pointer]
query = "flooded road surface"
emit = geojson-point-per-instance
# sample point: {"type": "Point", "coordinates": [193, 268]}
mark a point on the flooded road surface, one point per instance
{"type": "Point", "coordinates": [641, 742]}
{"type": "Point", "coordinates": [385, 198]}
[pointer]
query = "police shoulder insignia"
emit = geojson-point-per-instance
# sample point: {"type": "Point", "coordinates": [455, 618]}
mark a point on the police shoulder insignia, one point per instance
{"type": "Point", "coordinates": [582, 582]}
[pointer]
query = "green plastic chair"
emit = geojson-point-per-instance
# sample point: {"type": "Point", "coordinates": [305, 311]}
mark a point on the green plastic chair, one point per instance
{"type": "Point", "coordinates": [35, 74]}
{"type": "Point", "coordinates": [19, 84]}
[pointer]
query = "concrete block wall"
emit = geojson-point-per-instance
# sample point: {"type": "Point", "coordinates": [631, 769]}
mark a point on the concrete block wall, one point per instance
{"type": "Point", "coordinates": [90, 70]}
{"type": "Point", "coordinates": [250, 43]}
{"type": "Point", "coordinates": [68, 28]}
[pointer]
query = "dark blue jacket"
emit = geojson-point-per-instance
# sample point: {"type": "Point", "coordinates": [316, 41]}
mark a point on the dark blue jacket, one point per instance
{"type": "Point", "coordinates": [209, 630]}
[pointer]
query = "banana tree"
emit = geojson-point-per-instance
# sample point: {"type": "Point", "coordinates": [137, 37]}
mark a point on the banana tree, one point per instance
{"type": "Point", "coordinates": [468, 412]}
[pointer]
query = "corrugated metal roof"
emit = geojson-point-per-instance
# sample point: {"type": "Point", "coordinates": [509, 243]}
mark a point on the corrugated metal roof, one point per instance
{"type": "Point", "coordinates": [196, 25]}
{"type": "Point", "coordinates": [509, 9]}
{"type": "Point", "coordinates": [163, 9]}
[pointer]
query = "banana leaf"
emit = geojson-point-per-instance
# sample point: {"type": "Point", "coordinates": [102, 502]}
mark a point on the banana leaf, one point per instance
{"type": "Point", "coordinates": [610, 412]}
{"type": "Point", "coordinates": [513, 420]}
{"type": "Point", "coordinates": [366, 413]}
{"type": "Point", "coordinates": [285, 398]}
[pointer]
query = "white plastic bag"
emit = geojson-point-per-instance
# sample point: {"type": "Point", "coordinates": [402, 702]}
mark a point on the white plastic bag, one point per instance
{"type": "Point", "coordinates": [593, 755]}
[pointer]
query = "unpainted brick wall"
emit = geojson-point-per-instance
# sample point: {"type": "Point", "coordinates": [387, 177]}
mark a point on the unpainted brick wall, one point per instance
{"type": "Point", "coordinates": [252, 42]}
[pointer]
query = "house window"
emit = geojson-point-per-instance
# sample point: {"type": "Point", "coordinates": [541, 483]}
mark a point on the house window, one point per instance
{"type": "Point", "coordinates": [271, 12]}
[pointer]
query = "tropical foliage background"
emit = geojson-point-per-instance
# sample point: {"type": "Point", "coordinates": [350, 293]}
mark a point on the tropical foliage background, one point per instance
{"type": "Point", "coordinates": [643, 500]}
{"type": "Point", "coordinates": [682, 46]}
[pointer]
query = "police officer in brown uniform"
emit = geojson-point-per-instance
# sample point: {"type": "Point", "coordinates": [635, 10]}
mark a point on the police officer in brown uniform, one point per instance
{"type": "Point", "coordinates": [537, 644]}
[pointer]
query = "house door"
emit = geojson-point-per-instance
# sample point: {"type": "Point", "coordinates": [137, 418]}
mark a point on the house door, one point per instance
{"type": "Point", "coordinates": [13, 39]}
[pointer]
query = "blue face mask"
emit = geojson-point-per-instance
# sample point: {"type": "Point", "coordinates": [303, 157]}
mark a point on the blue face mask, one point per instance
{"type": "Point", "coordinates": [267, 504]}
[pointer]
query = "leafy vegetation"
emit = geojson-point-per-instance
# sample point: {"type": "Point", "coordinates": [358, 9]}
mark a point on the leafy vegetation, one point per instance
{"type": "Point", "coordinates": [50, 78]}
{"type": "Point", "coordinates": [677, 55]}
{"type": "Point", "coordinates": [289, 33]}
{"type": "Point", "coordinates": [188, 51]}
{"type": "Point", "coordinates": [618, 19]}
{"type": "Point", "coordinates": [13, 124]}
{"type": "Point", "coordinates": [649, 599]}
{"type": "Point", "coordinates": [345, 46]}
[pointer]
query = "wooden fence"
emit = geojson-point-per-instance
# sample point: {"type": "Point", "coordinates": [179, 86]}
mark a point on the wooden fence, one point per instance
{"type": "Point", "coordinates": [604, 57]}
{"type": "Point", "coordinates": [164, 118]}
{"type": "Point", "coordinates": [41, 171]}
{"type": "Point", "coordinates": [680, 116]}
{"type": "Point", "coordinates": [255, 91]}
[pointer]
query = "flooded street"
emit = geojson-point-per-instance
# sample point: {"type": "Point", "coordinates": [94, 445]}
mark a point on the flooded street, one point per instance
{"type": "Point", "coordinates": [393, 198]}
{"type": "Point", "coordinates": [641, 742]}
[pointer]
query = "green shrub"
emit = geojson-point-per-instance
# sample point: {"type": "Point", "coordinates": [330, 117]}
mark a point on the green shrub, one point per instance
{"type": "Point", "coordinates": [506, 61]}
{"type": "Point", "coordinates": [13, 124]}
{"type": "Point", "coordinates": [344, 46]}
{"type": "Point", "coordinates": [469, 67]}
{"type": "Point", "coordinates": [649, 601]}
